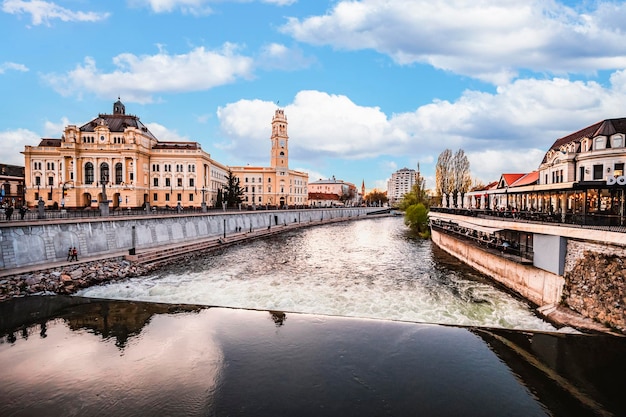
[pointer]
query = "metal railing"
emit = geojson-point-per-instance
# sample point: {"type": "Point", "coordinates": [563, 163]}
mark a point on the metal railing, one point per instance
{"type": "Point", "coordinates": [599, 221]}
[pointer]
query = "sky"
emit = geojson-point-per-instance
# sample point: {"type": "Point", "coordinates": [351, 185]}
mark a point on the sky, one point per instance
{"type": "Point", "coordinates": [368, 86]}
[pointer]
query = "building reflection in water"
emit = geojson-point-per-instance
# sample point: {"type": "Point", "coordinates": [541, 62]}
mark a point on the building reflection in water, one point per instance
{"type": "Point", "coordinates": [94, 357]}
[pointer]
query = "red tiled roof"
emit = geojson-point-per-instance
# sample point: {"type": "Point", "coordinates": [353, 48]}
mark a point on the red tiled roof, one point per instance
{"type": "Point", "coordinates": [528, 179]}
{"type": "Point", "coordinates": [510, 178]}
{"type": "Point", "coordinates": [323, 196]}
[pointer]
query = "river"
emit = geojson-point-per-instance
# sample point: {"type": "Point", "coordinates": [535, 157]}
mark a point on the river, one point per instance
{"type": "Point", "coordinates": [367, 268]}
{"type": "Point", "coordinates": [329, 321]}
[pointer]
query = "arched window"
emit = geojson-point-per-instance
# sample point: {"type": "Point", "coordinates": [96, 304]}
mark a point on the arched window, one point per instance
{"type": "Point", "coordinates": [617, 141]}
{"type": "Point", "coordinates": [89, 173]}
{"type": "Point", "coordinates": [104, 172]}
{"type": "Point", "coordinates": [118, 173]}
{"type": "Point", "coordinates": [599, 143]}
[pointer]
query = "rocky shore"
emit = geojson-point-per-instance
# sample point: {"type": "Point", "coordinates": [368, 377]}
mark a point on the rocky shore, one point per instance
{"type": "Point", "coordinates": [68, 279]}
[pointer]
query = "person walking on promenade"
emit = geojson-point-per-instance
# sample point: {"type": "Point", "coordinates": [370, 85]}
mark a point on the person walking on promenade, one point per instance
{"type": "Point", "coordinates": [23, 210]}
{"type": "Point", "coordinates": [74, 254]}
{"type": "Point", "coordinates": [69, 254]}
{"type": "Point", "coordinates": [9, 212]}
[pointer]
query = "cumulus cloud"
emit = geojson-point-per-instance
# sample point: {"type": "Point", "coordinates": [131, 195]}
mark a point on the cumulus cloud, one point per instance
{"type": "Point", "coordinates": [13, 142]}
{"type": "Point", "coordinates": [138, 78]}
{"type": "Point", "coordinates": [518, 123]}
{"type": "Point", "coordinates": [491, 40]}
{"type": "Point", "coordinates": [12, 66]}
{"type": "Point", "coordinates": [43, 12]}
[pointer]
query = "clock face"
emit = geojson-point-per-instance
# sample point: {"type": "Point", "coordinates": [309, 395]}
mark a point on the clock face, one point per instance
{"type": "Point", "coordinates": [102, 138]}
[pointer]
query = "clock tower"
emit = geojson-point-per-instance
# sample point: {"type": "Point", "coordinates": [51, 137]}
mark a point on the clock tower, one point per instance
{"type": "Point", "coordinates": [280, 141]}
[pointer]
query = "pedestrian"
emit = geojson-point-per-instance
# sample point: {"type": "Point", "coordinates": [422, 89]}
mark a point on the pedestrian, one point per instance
{"type": "Point", "coordinates": [69, 254]}
{"type": "Point", "coordinates": [74, 254]}
{"type": "Point", "coordinates": [23, 210]}
{"type": "Point", "coordinates": [9, 212]}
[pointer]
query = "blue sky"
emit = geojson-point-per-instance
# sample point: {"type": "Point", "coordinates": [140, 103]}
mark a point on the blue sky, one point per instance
{"type": "Point", "coordinates": [368, 86]}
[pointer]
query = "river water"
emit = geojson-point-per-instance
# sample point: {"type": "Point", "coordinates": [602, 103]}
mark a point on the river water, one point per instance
{"type": "Point", "coordinates": [367, 268]}
{"type": "Point", "coordinates": [317, 322]}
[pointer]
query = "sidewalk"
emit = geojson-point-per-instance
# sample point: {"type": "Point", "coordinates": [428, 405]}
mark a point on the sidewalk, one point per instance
{"type": "Point", "coordinates": [51, 265]}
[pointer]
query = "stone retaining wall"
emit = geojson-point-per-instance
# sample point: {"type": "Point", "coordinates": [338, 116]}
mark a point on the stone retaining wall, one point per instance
{"type": "Point", "coordinates": [33, 243]}
{"type": "Point", "coordinates": [536, 285]}
{"type": "Point", "coordinates": [595, 282]}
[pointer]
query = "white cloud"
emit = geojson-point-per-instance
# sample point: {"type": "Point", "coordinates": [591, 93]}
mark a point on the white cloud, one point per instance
{"type": "Point", "coordinates": [490, 40]}
{"type": "Point", "coordinates": [278, 56]}
{"type": "Point", "coordinates": [518, 124]}
{"type": "Point", "coordinates": [55, 130]}
{"type": "Point", "coordinates": [193, 7]}
{"type": "Point", "coordinates": [138, 78]}
{"type": "Point", "coordinates": [162, 133]}
{"type": "Point", "coordinates": [6, 66]}
{"type": "Point", "coordinates": [13, 142]}
{"type": "Point", "coordinates": [42, 12]}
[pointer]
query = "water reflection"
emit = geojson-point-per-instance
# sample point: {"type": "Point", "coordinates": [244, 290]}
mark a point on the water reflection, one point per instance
{"type": "Point", "coordinates": [120, 358]}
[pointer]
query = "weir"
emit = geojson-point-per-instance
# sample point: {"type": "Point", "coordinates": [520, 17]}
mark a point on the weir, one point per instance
{"type": "Point", "coordinates": [40, 242]}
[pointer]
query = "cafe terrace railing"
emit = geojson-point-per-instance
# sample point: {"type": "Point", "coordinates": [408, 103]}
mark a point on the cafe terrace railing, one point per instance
{"type": "Point", "coordinates": [599, 221]}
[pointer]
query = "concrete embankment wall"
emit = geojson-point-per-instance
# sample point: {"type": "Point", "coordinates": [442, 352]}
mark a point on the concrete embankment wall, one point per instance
{"type": "Point", "coordinates": [536, 285]}
{"type": "Point", "coordinates": [34, 243]}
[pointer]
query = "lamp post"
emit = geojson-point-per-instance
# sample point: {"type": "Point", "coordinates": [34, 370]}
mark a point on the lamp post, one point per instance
{"type": "Point", "coordinates": [203, 205]}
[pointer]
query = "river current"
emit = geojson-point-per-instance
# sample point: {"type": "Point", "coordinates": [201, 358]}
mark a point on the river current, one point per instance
{"type": "Point", "coordinates": [367, 268]}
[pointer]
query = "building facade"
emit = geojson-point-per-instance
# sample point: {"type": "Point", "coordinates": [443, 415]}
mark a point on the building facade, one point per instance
{"type": "Point", "coordinates": [400, 183]}
{"type": "Point", "coordinates": [276, 185]}
{"type": "Point", "coordinates": [332, 192]}
{"type": "Point", "coordinates": [580, 180]}
{"type": "Point", "coordinates": [114, 158]}
{"type": "Point", "coordinates": [12, 185]}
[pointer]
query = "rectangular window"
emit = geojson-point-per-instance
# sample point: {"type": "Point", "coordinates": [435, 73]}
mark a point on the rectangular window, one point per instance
{"type": "Point", "coordinates": [132, 176]}
{"type": "Point", "coordinates": [50, 181]}
{"type": "Point", "coordinates": [179, 197]}
{"type": "Point", "coordinates": [167, 196]}
{"type": "Point", "coordinates": [581, 175]}
{"type": "Point", "coordinates": [155, 182]}
{"type": "Point", "coordinates": [179, 183]}
{"type": "Point", "coordinates": [168, 182]}
{"type": "Point", "coordinates": [37, 180]}
{"type": "Point", "coordinates": [155, 197]}
{"type": "Point", "coordinates": [618, 170]}
{"type": "Point", "coordinates": [190, 197]}
{"type": "Point", "coordinates": [598, 171]}
{"type": "Point", "coordinates": [191, 182]}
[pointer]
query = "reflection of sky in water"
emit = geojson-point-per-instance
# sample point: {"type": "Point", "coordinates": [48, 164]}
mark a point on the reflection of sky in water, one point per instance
{"type": "Point", "coordinates": [366, 268]}
{"type": "Point", "coordinates": [235, 362]}
{"type": "Point", "coordinates": [83, 374]}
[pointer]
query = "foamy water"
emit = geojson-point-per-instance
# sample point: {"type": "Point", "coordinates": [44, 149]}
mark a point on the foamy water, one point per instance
{"type": "Point", "coordinates": [365, 268]}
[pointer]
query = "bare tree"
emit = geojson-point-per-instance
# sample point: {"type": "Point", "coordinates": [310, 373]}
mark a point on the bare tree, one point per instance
{"type": "Point", "coordinates": [461, 177]}
{"type": "Point", "coordinates": [443, 170]}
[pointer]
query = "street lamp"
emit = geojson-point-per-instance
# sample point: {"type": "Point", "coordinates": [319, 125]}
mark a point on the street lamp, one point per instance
{"type": "Point", "coordinates": [64, 189]}
{"type": "Point", "coordinates": [203, 204]}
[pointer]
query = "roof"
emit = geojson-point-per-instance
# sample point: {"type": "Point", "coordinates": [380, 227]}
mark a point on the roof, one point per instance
{"type": "Point", "coordinates": [176, 145]}
{"type": "Point", "coordinates": [507, 179]}
{"type": "Point", "coordinates": [323, 196]}
{"type": "Point", "coordinates": [606, 127]}
{"type": "Point", "coordinates": [528, 179]}
{"type": "Point", "coordinates": [50, 142]}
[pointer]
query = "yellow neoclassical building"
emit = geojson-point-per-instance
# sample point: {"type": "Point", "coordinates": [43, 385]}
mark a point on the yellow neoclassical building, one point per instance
{"type": "Point", "coordinates": [115, 158]}
{"type": "Point", "coordinates": [275, 185]}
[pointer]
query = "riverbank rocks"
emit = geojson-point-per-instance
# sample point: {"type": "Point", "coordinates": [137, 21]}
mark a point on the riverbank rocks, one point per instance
{"type": "Point", "coordinates": [69, 278]}
{"type": "Point", "coordinates": [596, 288]}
